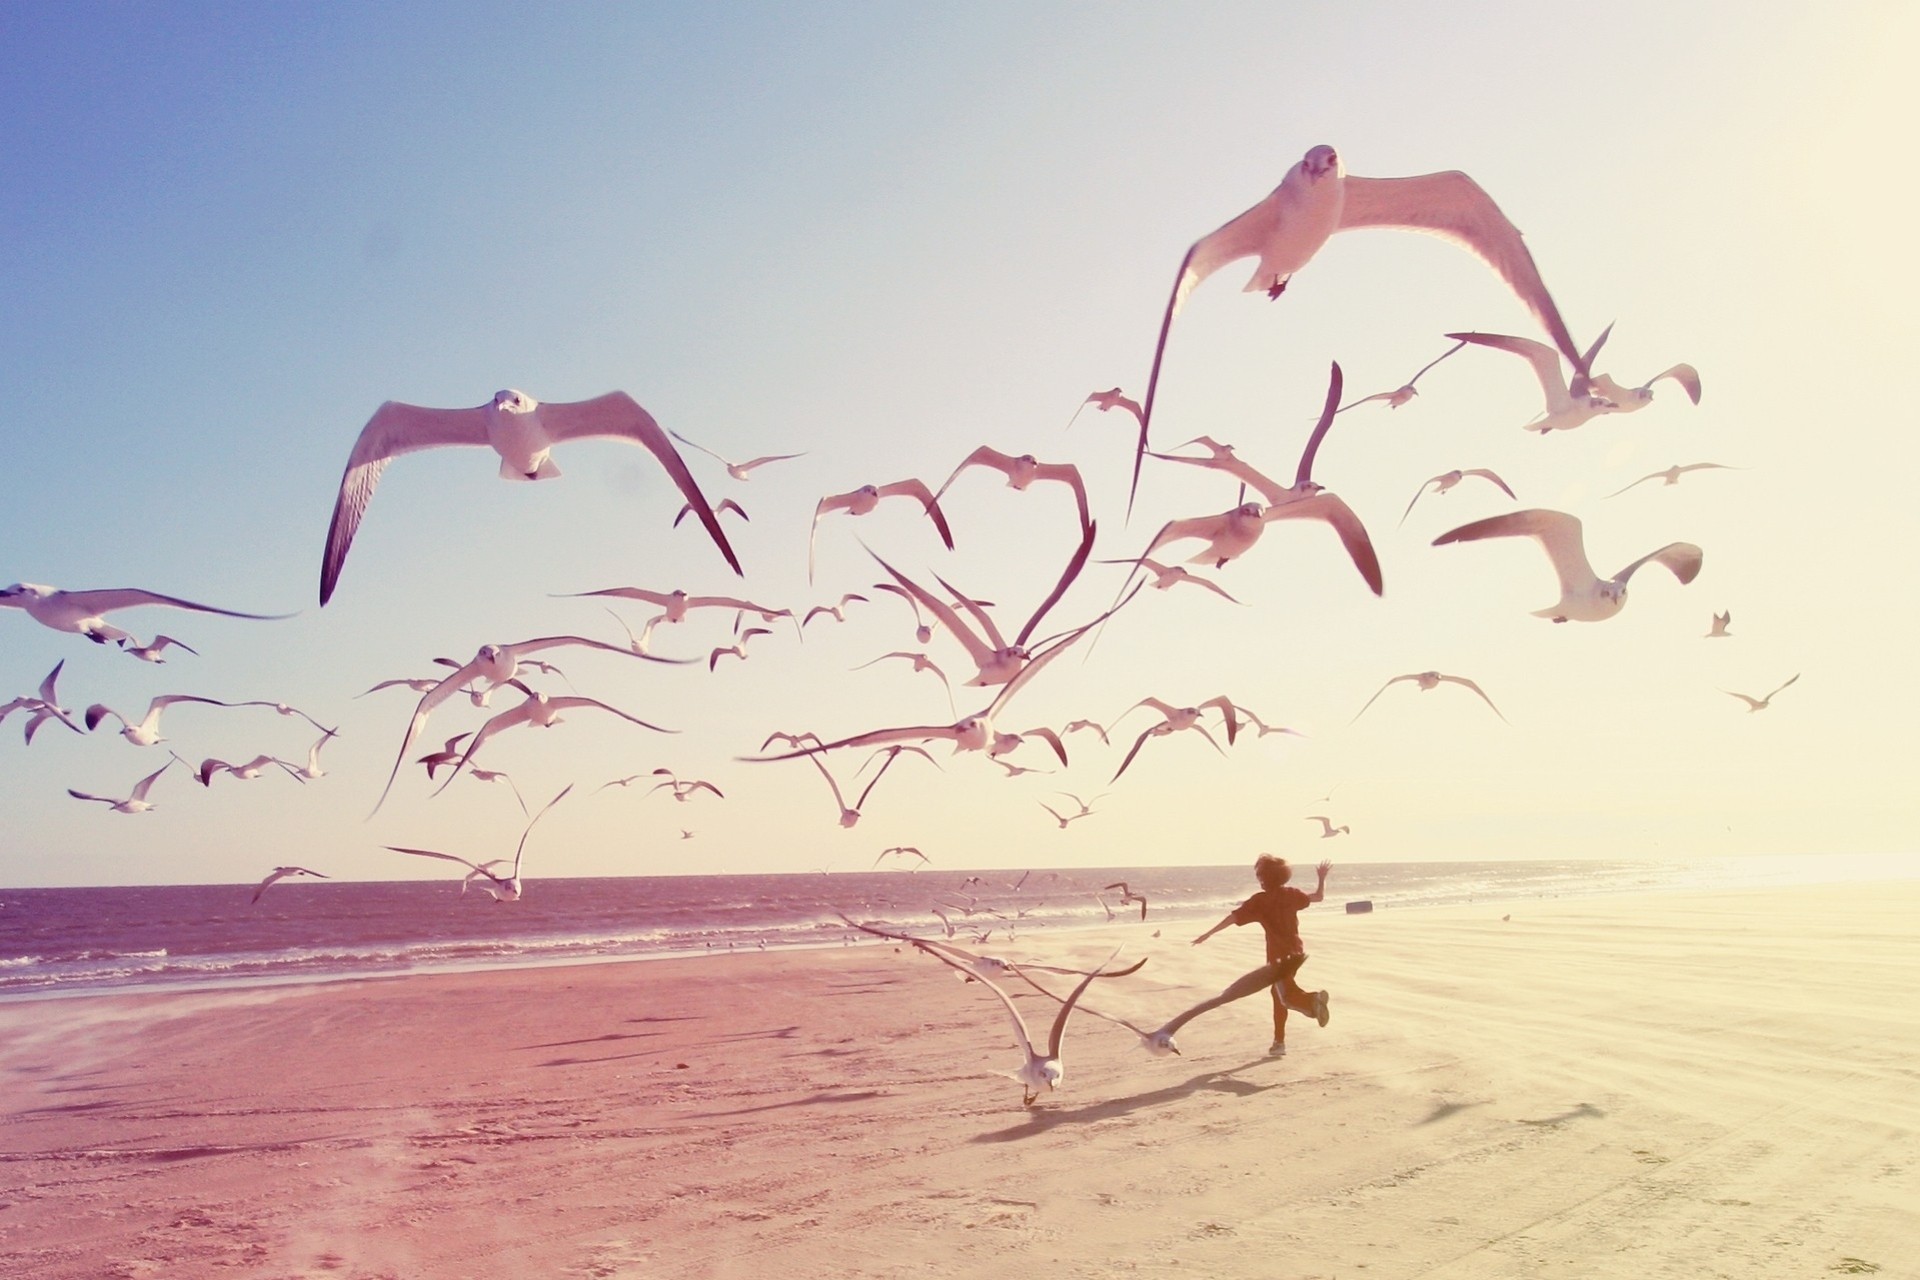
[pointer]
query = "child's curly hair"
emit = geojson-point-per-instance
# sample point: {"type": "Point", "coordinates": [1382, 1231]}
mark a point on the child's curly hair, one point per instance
{"type": "Point", "coordinates": [1271, 872]}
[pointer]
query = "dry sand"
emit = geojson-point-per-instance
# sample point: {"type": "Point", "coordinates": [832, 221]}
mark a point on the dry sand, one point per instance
{"type": "Point", "coordinates": [1686, 1085]}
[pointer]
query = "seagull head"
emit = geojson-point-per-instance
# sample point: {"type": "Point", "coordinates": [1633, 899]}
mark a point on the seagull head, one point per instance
{"type": "Point", "coordinates": [1320, 162]}
{"type": "Point", "coordinates": [33, 589]}
{"type": "Point", "coordinates": [1249, 511]}
{"type": "Point", "coordinates": [511, 401]}
{"type": "Point", "coordinates": [972, 733]}
{"type": "Point", "coordinates": [1159, 1044]}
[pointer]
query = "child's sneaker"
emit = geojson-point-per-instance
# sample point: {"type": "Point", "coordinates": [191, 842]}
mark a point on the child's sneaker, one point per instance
{"type": "Point", "coordinates": [1278, 1049]}
{"type": "Point", "coordinates": [1320, 1007]}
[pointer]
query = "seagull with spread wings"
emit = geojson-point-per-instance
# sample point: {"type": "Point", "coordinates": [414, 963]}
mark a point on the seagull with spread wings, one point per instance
{"type": "Point", "coordinates": [522, 430]}
{"type": "Point", "coordinates": [502, 888]}
{"type": "Point", "coordinates": [1584, 595]}
{"type": "Point", "coordinates": [858, 502]}
{"type": "Point", "coordinates": [1446, 480]}
{"type": "Point", "coordinates": [84, 612]}
{"type": "Point", "coordinates": [1428, 680]}
{"type": "Point", "coordinates": [1318, 198]}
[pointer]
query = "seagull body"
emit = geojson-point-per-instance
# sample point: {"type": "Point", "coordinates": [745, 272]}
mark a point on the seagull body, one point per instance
{"type": "Point", "coordinates": [522, 430]}
{"type": "Point", "coordinates": [245, 772]}
{"type": "Point", "coordinates": [1039, 1072]}
{"type": "Point", "coordinates": [1232, 533]}
{"type": "Point", "coordinates": [1021, 472]}
{"type": "Point", "coordinates": [1429, 680]}
{"type": "Point", "coordinates": [1128, 897]}
{"type": "Point", "coordinates": [1446, 480]}
{"type": "Point", "coordinates": [1633, 399]}
{"type": "Point", "coordinates": [921, 662]}
{"type": "Point", "coordinates": [858, 502]}
{"type": "Point", "coordinates": [541, 712]}
{"type": "Point", "coordinates": [1758, 704]}
{"type": "Point", "coordinates": [922, 629]}
{"type": "Point", "coordinates": [1403, 394]}
{"type": "Point", "coordinates": [738, 649]}
{"type": "Point", "coordinates": [281, 873]}
{"type": "Point", "coordinates": [682, 790]}
{"type": "Point", "coordinates": [1672, 474]}
{"type": "Point", "coordinates": [902, 851]}
{"type": "Point", "coordinates": [134, 803]}
{"type": "Point", "coordinates": [1566, 407]}
{"type": "Point", "coordinates": [1168, 576]}
{"type": "Point", "coordinates": [44, 707]}
{"type": "Point", "coordinates": [720, 508]}
{"type": "Point", "coordinates": [997, 660]}
{"type": "Point", "coordinates": [502, 888]}
{"type": "Point", "coordinates": [492, 665]}
{"type": "Point", "coordinates": [146, 731]}
{"type": "Point", "coordinates": [312, 770]}
{"type": "Point", "coordinates": [83, 612]}
{"type": "Point", "coordinates": [838, 612]}
{"type": "Point", "coordinates": [1316, 199]}
{"type": "Point", "coordinates": [151, 652]}
{"type": "Point", "coordinates": [738, 470]}
{"type": "Point", "coordinates": [1106, 401]}
{"type": "Point", "coordinates": [1584, 597]}
{"type": "Point", "coordinates": [1327, 829]}
{"type": "Point", "coordinates": [445, 755]}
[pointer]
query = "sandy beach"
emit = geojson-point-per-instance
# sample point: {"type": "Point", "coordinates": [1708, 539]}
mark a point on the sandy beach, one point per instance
{"type": "Point", "coordinates": [1679, 1085]}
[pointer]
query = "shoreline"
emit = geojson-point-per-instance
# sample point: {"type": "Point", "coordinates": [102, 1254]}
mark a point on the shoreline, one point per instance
{"type": "Point", "coordinates": [1173, 916]}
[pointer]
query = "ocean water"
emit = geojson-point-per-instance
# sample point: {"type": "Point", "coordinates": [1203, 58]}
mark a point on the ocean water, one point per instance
{"type": "Point", "coordinates": [85, 940]}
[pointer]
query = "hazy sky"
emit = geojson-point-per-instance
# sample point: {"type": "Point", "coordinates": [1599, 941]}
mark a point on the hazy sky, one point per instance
{"type": "Point", "coordinates": [884, 235]}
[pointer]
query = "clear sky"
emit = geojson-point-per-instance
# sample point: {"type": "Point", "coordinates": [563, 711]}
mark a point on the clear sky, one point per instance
{"type": "Point", "coordinates": [884, 235]}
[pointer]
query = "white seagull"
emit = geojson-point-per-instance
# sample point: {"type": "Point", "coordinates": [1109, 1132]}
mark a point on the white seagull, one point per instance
{"type": "Point", "coordinates": [1021, 472]}
{"type": "Point", "coordinates": [1758, 704]}
{"type": "Point", "coordinates": [921, 662]}
{"type": "Point", "coordinates": [1444, 482]}
{"type": "Point", "coordinates": [312, 770]}
{"type": "Point", "coordinates": [838, 612]}
{"type": "Point", "coordinates": [1039, 1072]}
{"type": "Point", "coordinates": [492, 665]}
{"type": "Point", "coordinates": [1318, 198]}
{"type": "Point", "coordinates": [502, 888]}
{"type": "Point", "coordinates": [1672, 474]}
{"type": "Point", "coordinates": [1567, 406]}
{"type": "Point", "coordinates": [997, 660]}
{"type": "Point", "coordinates": [1232, 533]}
{"type": "Point", "coordinates": [858, 502]}
{"type": "Point", "coordinates": [1718, 631]}
{"type": "Point", "coordinates": [1633, 399]}
{"type": "Point", "coordinates": [738, 470]}
{"type": "Point", "coordinates": [152, 652]}
{"type": "Point", "coordinates": [83, 612]}
{"type": "Point", "coordinates": [1168, 576]}
{"type": "Point", "coordinates": [146, 731]}
{"type": "Point", "coordinates": [44, 707]}
{"type": "Point", "coordinates": [1401, 395]}
{"type": "Point", "coordinates": [281, 873]}
{"type": "Point", "coordinates": [1327, 829]}
{"type": "Point", "coordinates": [522, 430]}
{"type": "Point", "coordinates": [1584, 596]}
{"type": "Point", "coordinates": [135, 803]}
{"type": "Point", "coordinates": [1428, 680]}
{"type": "Point", "coordinates": [737, 649]}
{"type": "Point", "coordinates": [542, 712]}
{"type": "Point", "coordinates": [245, 772]}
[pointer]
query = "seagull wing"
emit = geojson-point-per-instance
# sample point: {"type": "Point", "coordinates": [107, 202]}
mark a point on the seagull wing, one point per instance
{"type": "Point", "coordinates": [1683, 559]}
{"type": "Point", "coordinates": [976, 648]}
{"type": "Point", "coordinates": [521, 848]}
{"type": "Point", "coordinates": [1455, 207]}
{"type": "Point", "coordinates": [984, 456]}
{"type": "Point", "coordinates": [145, 784]}
{"type": "Point", "coordinates": [1487, 475]}
{"type": "Point", "coordinates": [107, 599]}
{"type": "Point", "coordinates": [394, 429]}
{"type": "Point", "coordinates": [1544, 359]}
{"type": "Point", "coordinates": [1353, 534]}
{"type": "Point", "coordinates": [430, 853]}
{"type": "Point", "coordinates": [1138, 743]}
{"type": "Point", "coordinates": [1066, 1009]}
{"type": "Point", "coordinates": [1686, 376]}
{"type": "Point", "coordinates": [1770, 696]}
{"type": "Point", "coordinates": [1304, 474]}
{"type": "Point", "coordinates": [1463, 681]}
{"type": "Point", "coordinates": [618, 415]}
{"type": "Point", "coordinates": [1075, 563]}
{"type": "Point", "coordinates": [1557, 532]}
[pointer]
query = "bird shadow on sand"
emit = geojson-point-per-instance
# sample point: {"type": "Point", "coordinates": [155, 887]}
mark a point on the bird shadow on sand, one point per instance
{"type": "Point", "coordinates": [1036, 1121]}
{"type": "Point", "coordinates": [1441, 1110]}
{"type": "Point", "coordinates": [603, 1039]}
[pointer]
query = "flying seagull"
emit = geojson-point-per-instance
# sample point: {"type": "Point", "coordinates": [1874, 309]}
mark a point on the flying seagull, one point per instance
{"type": "Point", "coordinates": [522, 430]}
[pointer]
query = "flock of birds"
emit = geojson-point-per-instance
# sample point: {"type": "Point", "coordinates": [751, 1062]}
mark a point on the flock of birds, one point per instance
{"type": "Point", "coordinates": [994, 655]}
